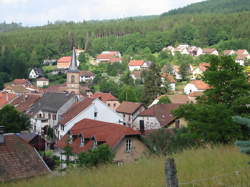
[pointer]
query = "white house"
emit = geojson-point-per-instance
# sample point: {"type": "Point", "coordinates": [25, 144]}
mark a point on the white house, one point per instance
{"type": "Point", "coordinates": [88, 108]}
{"type": "Point", "coordinates": [155, 117]}
{"type": "Point", "coordinates": [241, 59]}
{"type": "Point", "coordinates": [197, 72]}
{"type": "Point", "coordinates": [195, 86]}
{"type": "Point", "coordinates": [135, 65]}
{"type": "Point", "coordinates": [35, 73]}
{"type": "Point", "coordinates": [86, 76]}
{"type": "Point", "coordinates": [42, 82]}
{"type": "Point", "coordinates": [47, 111]}
{"type": "Point", "coordinates": [195, 51]}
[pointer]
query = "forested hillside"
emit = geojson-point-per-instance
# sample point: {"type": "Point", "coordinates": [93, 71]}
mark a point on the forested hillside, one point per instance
{"type": "Point", "coordinates": [213, 6]}
{"type": "Point", "coordinates": [27, 47]}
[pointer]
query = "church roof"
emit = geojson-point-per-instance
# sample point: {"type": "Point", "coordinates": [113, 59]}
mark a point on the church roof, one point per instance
{"type": "Point", "coordinates": [73, 66]}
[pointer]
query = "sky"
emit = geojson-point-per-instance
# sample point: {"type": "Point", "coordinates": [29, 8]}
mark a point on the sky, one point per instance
{"type": "Point", "coordinates": [39, 12]}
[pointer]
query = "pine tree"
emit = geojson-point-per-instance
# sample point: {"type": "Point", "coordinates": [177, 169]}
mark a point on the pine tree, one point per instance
{"type": "Point", "coordinates": [243, 145]}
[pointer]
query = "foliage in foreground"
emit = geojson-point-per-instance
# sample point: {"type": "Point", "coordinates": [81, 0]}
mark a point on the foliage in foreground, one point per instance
{"type": "Point", "coordinates": [193, 164]}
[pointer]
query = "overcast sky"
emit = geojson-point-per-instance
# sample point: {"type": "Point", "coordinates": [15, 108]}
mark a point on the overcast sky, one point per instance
{"type": "Point", "coordinates": [38, 12]}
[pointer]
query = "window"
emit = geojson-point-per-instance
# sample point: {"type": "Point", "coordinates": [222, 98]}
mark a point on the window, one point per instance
{"type": "Point", "coordinates": [108, 105]}
{"type": "Point", "coordinates": [114, 105]}
{"type": "Point", "coordinates": [95, 114]}
{"type": "Point", "coordinates": [72, 79]}
{"type": "Point", "coordinates": [81, 141]}
{"type": "Point", "coordinates": [128, 145]}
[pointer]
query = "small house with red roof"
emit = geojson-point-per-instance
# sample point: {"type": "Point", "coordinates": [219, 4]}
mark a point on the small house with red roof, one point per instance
{"type": "Point", "coordinates": [156, 117]}
{"type": "Point", "coordinates": [198, 72]}
{"type": "Point", "coordinates": [64, 62]}
{"type": "Point", "coordinates": [109, 57]}
{"type": "Point", "coordinates": [129, 111]}
{"type": "Point", "coordinates": [91, 108]}
{"type": "Point", "coordinates": [88, 134]}
{"type": "Point", "coordinates": [135, 65]}
{"type": "Point", "coordinates": [196, 86]}
{"type": "Point", "coordinates": [210, 51]}
{"type": "Point", "coordinates": [242, 52]}
{"type": "Point", "coordinates": [108, 99]}
{"type": "Point", "coordinates": [229, 52]}
{"type": "Point", "coordinates": [167, 78]}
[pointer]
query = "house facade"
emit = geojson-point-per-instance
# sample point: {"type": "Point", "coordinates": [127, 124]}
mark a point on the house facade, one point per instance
{"type": "Point", "coordinates": [35, 73]}
{"type": "Point", "coordinates": [42, 82]}
{"type": "Point", "coordinates": [64, 62]}
{"type": "Point", "coordinates": [109, 57]}
{"type": "Point", "coordinates": [135, 65]}
{"type": "Point", "coordinates": [156, 117]}
{"type": "Point", "coordinates": [88, 134]}
{"type": "Point", "coordinates": [129, 111]}
{"type": "Point", "coordinates": [88, 108]}
{"type": "Point", "coordinates": [86, 76]}
{"type": "Point", "coordinates": [195, 86]}
{"type": "Point", "coordinates": [108, 99]}
{"type": "Point", "coordinates": [47, 111]}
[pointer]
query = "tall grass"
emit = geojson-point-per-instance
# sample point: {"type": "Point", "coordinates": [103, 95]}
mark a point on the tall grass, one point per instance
{"type": "Point", "coordinates": [194, 164]}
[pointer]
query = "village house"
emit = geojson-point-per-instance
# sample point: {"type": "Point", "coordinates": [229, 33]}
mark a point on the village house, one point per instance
{"type": "Point", "coordinates": [174, 99]}
{"type": "Point", "coordinates": [198, 72]}
{"type": "Point", "coordinates": [24, 102]}
{"type": "Point", "coordinates": [195, 51]}
{"type": "Point", "coordinates": [109, 57]}
{"type": "Point", "coordinates": [170, 49]}
{"type": "Point", "coordinates": [47, 111]}
{"type": "Point", "coordinates": [20, 86]}
{"type": "Point", "coordinates": [242, 52]}
{"type": "Point", "coordinates": [183, 49]}
{"type": "Point", "coordinates": [86, 76]}
{"type": "Point", "coordinates": [64, 62]}
{"type": "Point", "coordinates": [6, 98]}
{"type": "Point", "coordinates": [242, 59]}
{"type": "Point", "coordinates": [88, 134]}
{"type": "Point", "coordinates": [88, 108]}
{"type": "Point", "coordinates": [129, 111]}
{"type": "Point", "coordinates": [108, 99]}
{"type": "Point", "coordinates": [18, 159]}
{"type": "Point", "coordinates": [35, 73]}
{"type": "Point", "coordinates": [210, 51]}
{"type": "Point", "coordinates": [176, 72]}
{"type": "Point", "coordinates": [229, 52]}
{"type": "Point", "coordinates": [156, 117]}
{"type": "Point", "coordinates": [169, 79]}
{"type": "Point", "coordinates": [42, 82]}
{"type": "Point", "coordinates": [136, 75]}
{"type": "Point", "coordinates": [135, 65]}
{"type": "Point", "coordinates": [195, 86]}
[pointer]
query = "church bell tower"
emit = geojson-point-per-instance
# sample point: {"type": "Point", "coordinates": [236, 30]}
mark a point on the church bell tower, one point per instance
{"type": "Point", "coordinates": [73, 76]}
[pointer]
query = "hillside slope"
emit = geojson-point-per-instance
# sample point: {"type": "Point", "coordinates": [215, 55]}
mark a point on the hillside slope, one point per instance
{"type": "Point", "coordinates": [213, 6]}
{"type": "Point", "coordinates": [215, 166]}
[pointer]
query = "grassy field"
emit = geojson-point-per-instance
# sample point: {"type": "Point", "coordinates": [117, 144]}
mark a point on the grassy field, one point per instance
{"type": "Point", "coordinates": [213, 167]}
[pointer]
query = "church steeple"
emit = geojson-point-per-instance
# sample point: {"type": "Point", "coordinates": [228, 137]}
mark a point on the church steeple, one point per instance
{"type": "Point", "coordinates": [73, 76]}
{"type": "Point", "coordinates": [73, 65]}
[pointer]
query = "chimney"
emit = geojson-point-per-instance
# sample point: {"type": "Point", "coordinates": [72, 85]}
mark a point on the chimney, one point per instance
{"type": "Point", "coordinates": [1, 134]}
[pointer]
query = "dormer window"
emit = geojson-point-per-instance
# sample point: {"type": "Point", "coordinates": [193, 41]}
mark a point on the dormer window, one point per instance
{"type": "Point", "coordinates": [81, 141]}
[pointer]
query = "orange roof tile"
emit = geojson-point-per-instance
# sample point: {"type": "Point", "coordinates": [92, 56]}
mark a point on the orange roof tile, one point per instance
{"type": "Point", "coordinates": [129, 107]}
{"type": "Point", "coordinates": [200, 84]}
{"type": "Point", "coordinates": [136, 62]}
{"type": "Point", "coordinates": [104, 96]}
{"type": "Point", "coordinates": [203, 66]}
{"type": "Point", "coordinates": [64, 59]}
{"type": "Point", "coordinates": [108, 133]}
{"type": "Point", "coordinates": [6, 98]}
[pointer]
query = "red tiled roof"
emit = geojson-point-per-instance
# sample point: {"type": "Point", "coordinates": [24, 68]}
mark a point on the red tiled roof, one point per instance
{"type": "Point", "coordinates": [128, 107]}
{"type": "Point", "coordinates": [6, 98]}
{"type": "Point", "coordinates": [19, 160]}
{"type": "Point", "coordinates": [203, 66]}
{"type": "Point", "coordinates": [241, 51]}
{"type": "Point", "coordinates": [87, 73]}
{"type": "Point", "coordinates": [136, 62]}
{"type": "Point", "coordinates": [200, 84]}
{"type": "Point", "coordinates": [75, 110]}
{"type": "Point", "coordinates": [104, 96]}
{"type": "Point", "coordinates": [24, 102]}
{"type": "Point", "coordinates": [241, 57]}
{"type": "Point", "coordinates": [208, 50]}
{"type": "Point", "coordinates": [64, 59]}
{"type": "Point", "coordinates": [228, 52]}
{"type": "Point", "coordinates": [108, 133]}
{"type": "Point", "coordinates": [162, 112]}
{"type": "Point", "coordinates": [168, 77]}
{"type": "Point", "coordinates": [20, 81]}
{"type": "Point", "coordinates": [195, 94]}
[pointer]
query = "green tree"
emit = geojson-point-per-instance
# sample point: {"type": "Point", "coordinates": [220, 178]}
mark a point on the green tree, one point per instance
{"type": "Point", "coordinates": [227, 80]}
{"type": "Point", "coordinates": [128, 93]}
{"type": "Point", "coordinates": [164, 100]}
{"type": "Point", "coordinates": [12, 120]}
{"type": "Point", "coordinates": [185, 71]}
{"type": "Point", "coordinates": [99, 155]}
{"type": "Point", "coordinates": [152, 84]}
